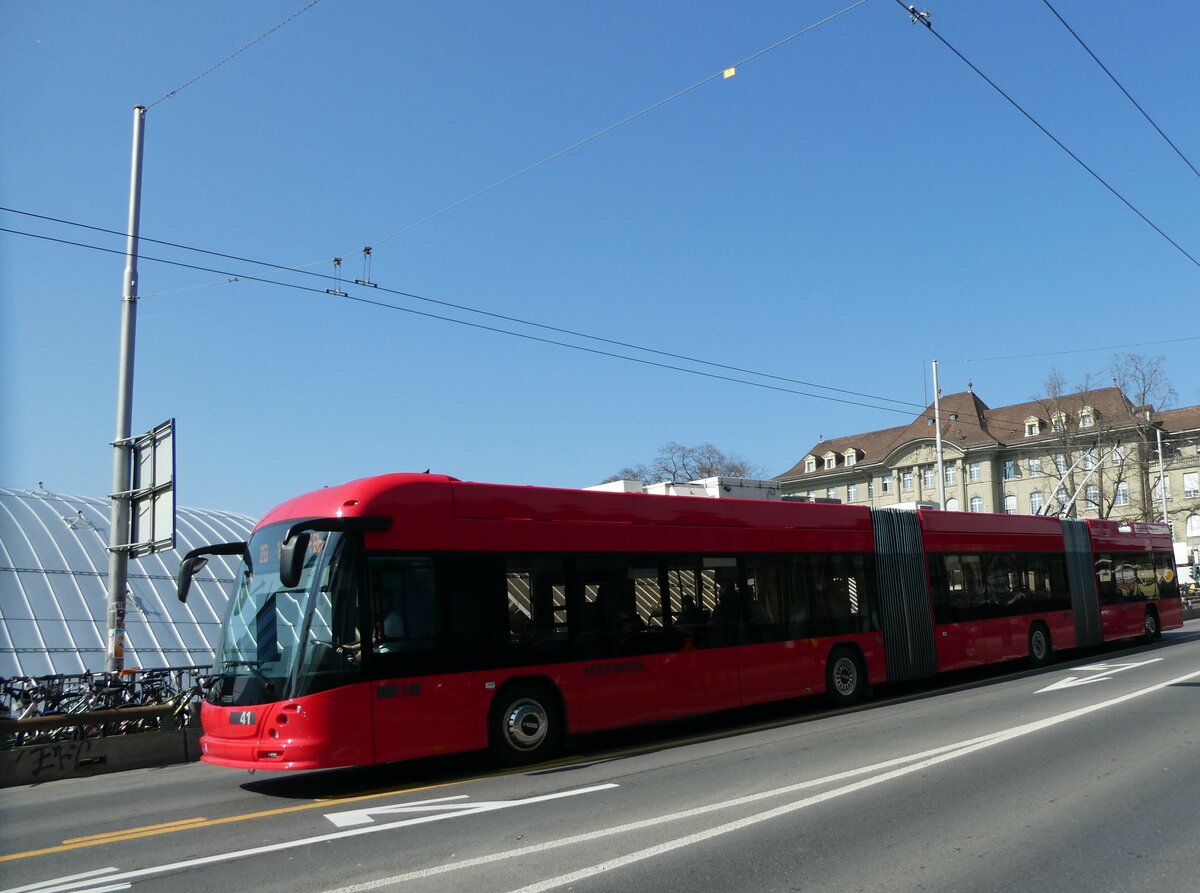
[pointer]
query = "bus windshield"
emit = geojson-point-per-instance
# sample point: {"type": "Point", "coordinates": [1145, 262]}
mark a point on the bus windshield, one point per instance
{"type": "Point", "coordinates": [281, 642]}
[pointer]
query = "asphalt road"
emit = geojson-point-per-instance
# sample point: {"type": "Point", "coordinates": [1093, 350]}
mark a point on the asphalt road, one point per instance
{"type": "Point", "coordinates": [1079, 777]}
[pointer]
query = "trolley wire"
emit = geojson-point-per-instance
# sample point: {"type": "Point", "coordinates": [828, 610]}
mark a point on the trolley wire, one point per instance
{"type": "Point", "coordinates": [923, 19]}
{"type": "Point", "coordinates": [990, 422]}
{"type": "Point", "coordinates": [338, 283]}
{"type": "Point", "coordinates": [621, 123]}
{"type": "Point", "coordinates": [474, 325]}
{"type": "Point", "coordinates": [1121, 87]}
{"type": "Point", "coordinates": [232, 56]}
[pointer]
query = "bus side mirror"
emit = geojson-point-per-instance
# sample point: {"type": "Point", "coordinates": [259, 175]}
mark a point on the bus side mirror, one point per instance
{"type": "Point", "coordinates": [188, 568]}
{"type": "Point", "coordinates": [291, 559]}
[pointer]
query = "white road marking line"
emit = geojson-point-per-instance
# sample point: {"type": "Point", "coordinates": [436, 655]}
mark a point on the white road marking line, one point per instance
{"type": "Point", "coordinates": [700, 837]}
{"type": "Point", "coordinates": [47, 886]}
{"type": "Point", "coordinates": [921, 760]}
{"type": "Point", "coordinates": [42, 885]}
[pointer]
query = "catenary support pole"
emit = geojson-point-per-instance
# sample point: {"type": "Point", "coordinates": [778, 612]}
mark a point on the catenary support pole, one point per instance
{"type": "Point", "coordinates": [118, 528]}
{"type": "Point", "coordinates": [937, 424]}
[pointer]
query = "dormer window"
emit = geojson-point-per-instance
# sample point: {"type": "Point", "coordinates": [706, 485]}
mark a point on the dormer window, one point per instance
{"type": "Point", "coordinates": [851, 456]}
{"type": "Point", "coordinates": [1087, 417]}
{"type": "Point", "coordinates": [1059, 419]}
{"type": "Point", "coordinates": [1033, 426]}
{"type": "Point", "coordinates": [810, 463]}
{"type": "Point", "coordinates": [830, 461]}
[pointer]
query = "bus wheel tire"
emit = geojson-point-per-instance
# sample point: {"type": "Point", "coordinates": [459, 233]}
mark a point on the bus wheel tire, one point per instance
{"type": "Point", "coordinates": [1040, 651]}
{"type": "Point", "coordinates": [1153, 632]}
{"type": "Point", "coordinates": [526, 726]}
{"type": "Point", "coordinates": [845, 677]}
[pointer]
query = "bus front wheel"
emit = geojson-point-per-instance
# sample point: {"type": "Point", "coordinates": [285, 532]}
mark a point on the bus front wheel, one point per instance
{"type": "Point", "coordinates": [845, 677]}
{"type": "Point", "coordinates": [1152, 630]}
{"type": "Point", "coordinates": [526, 725]}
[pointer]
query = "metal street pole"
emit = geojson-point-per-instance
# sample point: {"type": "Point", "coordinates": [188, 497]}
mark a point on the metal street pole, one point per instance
{"type": "Point", "coordinates": [937, 423]}
{"type": "Point", "coordinates": [1162, 478]}
{"type": "Point", "coordinates": [118, 527]}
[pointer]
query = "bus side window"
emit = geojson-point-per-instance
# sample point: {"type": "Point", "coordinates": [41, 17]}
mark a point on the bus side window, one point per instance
{"type": "Point", "coordinates": [404, 609]}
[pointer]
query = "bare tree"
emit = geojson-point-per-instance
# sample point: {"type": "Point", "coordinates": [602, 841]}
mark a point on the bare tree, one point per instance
{"type": "Point", "coordinates": [1088, 460]}
{"type": "Point", "coordinates": [1144, 382]}
{"type": "Point", "coordinates": [678, 463]}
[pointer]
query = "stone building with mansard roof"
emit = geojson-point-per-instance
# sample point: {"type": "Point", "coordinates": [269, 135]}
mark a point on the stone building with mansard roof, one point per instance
{"type": "Point", "coordinates": [1087, 454]}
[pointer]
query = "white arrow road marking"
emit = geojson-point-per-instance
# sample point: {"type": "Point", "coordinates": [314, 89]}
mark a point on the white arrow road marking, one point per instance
{"type": "Point", "coordinates": [1110, 669]}
{"type": "Point", "coordinates": [446, 808]}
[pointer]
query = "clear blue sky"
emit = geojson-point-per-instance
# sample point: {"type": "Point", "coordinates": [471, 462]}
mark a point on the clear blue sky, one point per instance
{"type": "Point", "coordinates": [847, 207]}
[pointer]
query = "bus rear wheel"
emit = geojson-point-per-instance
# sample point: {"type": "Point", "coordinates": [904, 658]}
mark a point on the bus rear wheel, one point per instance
{"type": "Point", "coordinates": [1040, 651]}
{"type": "Point", "coordinates": [845, 677]}
{"type": "Point", "coordinates": [526, 725]}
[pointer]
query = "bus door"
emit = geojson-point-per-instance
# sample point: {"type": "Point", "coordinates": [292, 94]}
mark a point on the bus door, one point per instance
{"type": "Point", "coordinates": [961, 610]}
{"type": "Point", "coordinates": [777, 657]}
{"type": "Point", "coordinates": [702, 609]}
{"type": "Point", "coordinates": [418, 705]}
{"type": "Point", "coordinates": [620, 637]}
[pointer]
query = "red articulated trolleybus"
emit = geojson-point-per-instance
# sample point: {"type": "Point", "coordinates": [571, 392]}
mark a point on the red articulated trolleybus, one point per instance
{"type": "Point", "coordinates": [407, 615]}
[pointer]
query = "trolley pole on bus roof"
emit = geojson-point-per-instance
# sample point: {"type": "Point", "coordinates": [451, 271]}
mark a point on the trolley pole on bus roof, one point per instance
{"type": "Point", "coordinates": [119, 526]}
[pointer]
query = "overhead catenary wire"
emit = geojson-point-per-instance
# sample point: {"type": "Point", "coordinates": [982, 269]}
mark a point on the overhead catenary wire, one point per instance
{"type": "Point", "coordinates": [992, 421]}
{"type": "Point", "coordinates": [171, 94]}
{"type": "Point", "coordinates": [722, 74]}
{"type": "Point", "coordinates": [1121, 87]}
{"type": "Point", "coordinates": [338, 283]}
{"type": "Point", "coordinates": [347, 296]}
{"type": "Point", "coordinates": [924, 19]}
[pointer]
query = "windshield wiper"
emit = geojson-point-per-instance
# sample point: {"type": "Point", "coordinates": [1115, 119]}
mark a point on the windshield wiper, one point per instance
{"type": "Point", "coordinates": [254, 666]}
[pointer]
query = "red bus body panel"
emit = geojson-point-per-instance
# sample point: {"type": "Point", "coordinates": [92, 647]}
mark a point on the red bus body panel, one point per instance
{"type": "Point", "coordinates": [977, 642]}
{"type": "Point", "coordinates": [1124, 621]}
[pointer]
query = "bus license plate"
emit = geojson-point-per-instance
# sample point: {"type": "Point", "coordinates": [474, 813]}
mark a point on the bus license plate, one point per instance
{"type": "Point", "coordinates": [242, 718]}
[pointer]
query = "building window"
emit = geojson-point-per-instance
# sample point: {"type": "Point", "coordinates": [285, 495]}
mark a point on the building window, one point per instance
{"type": "Point", "coordinates": [951, 474]}
{"type": "Point", "coordinates": [952, 505]}
{"type": "Point", "coordinates": [1089, 460]}
{"type": "Point", "coordinates": [1035, 467]}
{"type": "Point", "coordinates": [1193, 526]}
{"type": "Point", "coordinates": [851, 492]}
{"type": "Point", "coordinates": [851, 457]}
{"type": "Point", "coordinates": [974, 471]}
{"type": "Point", "coordinates": [977, 503]}
{"type": "Point", "coordinates": [1191, 484]}
{"type": "Point", "coordinates": [885, 483]}
{"type": "Point", "coordinates": [1121, 496]}
{"type": "Point", "coordinates": [1117, 457]}
{"type": "Point", "coordinates": [870, 489]}
{"type": "Point", "coordinates": [927, 476]}
{"type": "Point", "coordinates": [1059, 420]}
{"type": "Point", "coordinates": [830, 493]}
{"type": "Point", "coordinates": [1092, 495]}
{"type": "Point", "coordinates": [1010, 505]}
{"type": "Point", "coordinates": [830, 462]}
{"type": "Point", "coordinates": [1033, 427]}
{"type": "Point", "coordinates": [810, 464]}
{"type": "Point", "coordinates": [1037, 501]}
{"type": "Point", "coordinates": [811, 495]}
{"type": "Point", "coordinates": [1061, 495]}
{"type": "Point", "coordinates": [906, 480]}
{"type": "Point", "coordinates": [1010, 469]}
{"type": "Point", "coordinates": [1087, 418]}
{"type": "Point", "coordinates": [1060, 463]}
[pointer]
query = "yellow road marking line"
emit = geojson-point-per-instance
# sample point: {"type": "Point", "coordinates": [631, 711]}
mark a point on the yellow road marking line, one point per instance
{"type": "Point", "coordinates": [145, 828]}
